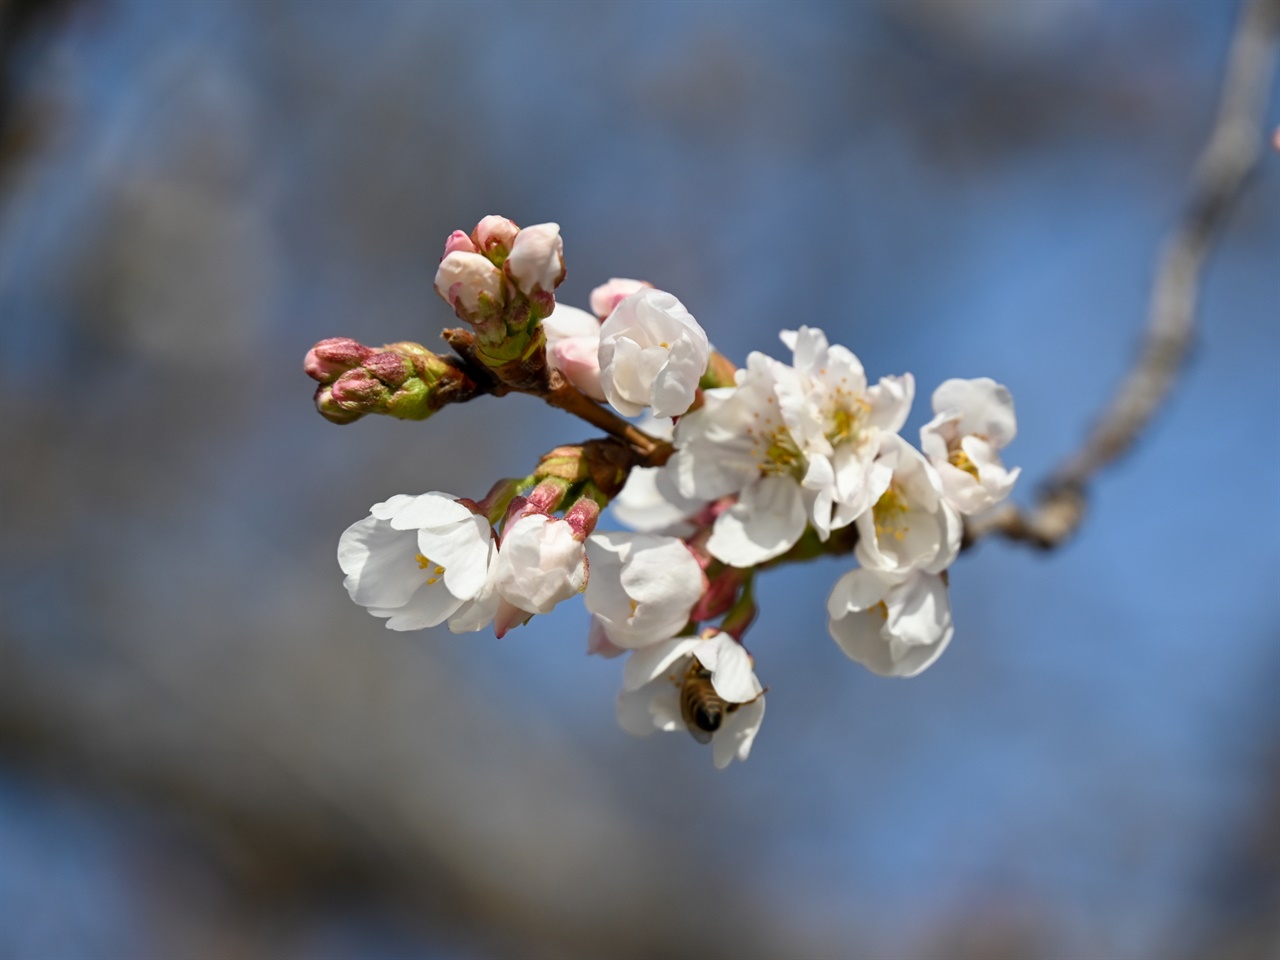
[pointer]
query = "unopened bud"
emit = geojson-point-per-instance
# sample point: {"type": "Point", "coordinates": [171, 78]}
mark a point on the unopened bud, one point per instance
{"type": "Point", "coordinates": [331, 358]}
{"type": "Point", "coordinates": [356, 390]}
{"type": "Point", "coordinates": [329, 409]}
{"type": "Point", "coordinates": [536, 264]}
{"type": "Point", "coordinates": [547, 496]}
{"type": "Point", "coordinates": [390, 368]}
{"type": "Point", "coordinates": [471, 285]}
{"type": "Point", "coordinates": [720, 372]}
{"type": "Point", "coordinates": [494, 237]}
{"type": "Point", "coordinates": [564, 463]}
{"type": "Point", "coordinates": [458, 242]}
{"type": "Point", "coordinates": [582, 516]}
{"type": "Point", "coordinates": [607, 296]}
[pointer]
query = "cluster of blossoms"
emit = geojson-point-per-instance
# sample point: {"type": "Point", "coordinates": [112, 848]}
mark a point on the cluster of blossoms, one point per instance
{"type": "Point", "coordinates": [731, 471]}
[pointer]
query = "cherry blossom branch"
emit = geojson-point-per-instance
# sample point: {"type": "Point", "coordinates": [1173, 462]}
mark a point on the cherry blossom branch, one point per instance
{"type": "Point", "coordinates": [1224, 166]}
{"type": "Point", "coordinates": [560, 393]}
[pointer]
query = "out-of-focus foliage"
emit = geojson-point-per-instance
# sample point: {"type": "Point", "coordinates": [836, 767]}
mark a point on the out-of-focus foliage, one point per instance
{"type": "Point", "coordinates": [206, 750]}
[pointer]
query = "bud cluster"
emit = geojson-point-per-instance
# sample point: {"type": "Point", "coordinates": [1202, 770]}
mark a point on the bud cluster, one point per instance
{"type": "Point", "coordinates": [733, 472]}
{"type": "Point", "coordinates": [501, 279]}
{"type": "Point", "coordinates": [402, 380]}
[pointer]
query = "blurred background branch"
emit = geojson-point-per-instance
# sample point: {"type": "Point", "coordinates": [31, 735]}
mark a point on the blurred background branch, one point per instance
{"type": "Point", "coordinates": [1236, 141]}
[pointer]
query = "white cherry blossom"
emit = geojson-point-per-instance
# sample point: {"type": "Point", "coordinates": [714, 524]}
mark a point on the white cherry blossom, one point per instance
{"type": "Point", "coordinates": [650, 500]}
{"type": "Point", "coordinates": [642, 588]}
{"type": "Point", "coordinates": [540, 563]}
{"type": "Point", "coordinates": [911, 526]}
{"type": "Point", "coordinates": [974, 419]}
{"type": "Point", "coordinates": [418, 561]}
{"type": "Point", "coordinates": [573, 348]}
{"type": "Point", "coordinates": [652, 354]}
{"type": "Point", "coordinates": [796, 443]}
{"type": "Point", "coordinates": [654, 677]}
{"type": "Point", "coordinates": [895, 625]}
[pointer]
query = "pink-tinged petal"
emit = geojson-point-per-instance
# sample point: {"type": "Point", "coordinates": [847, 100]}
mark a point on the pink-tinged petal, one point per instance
{"type": "Point", "coordinates": [737, 734]}
{"type": "Point", "coordinates": [765, 523]}
{"type": "Point", "coordinates": [664, 707]}
{"type": "Point", "coordinates": [467, 280]}
{"type": "Point", "coordinates": [599, 644]}
{"type": "Point", "coordinates": [536, 261]}
{"type": "Point", "coordinates": [458, 242]}
{"type": "Point", "coordinates": [606, 297]}
{"type": "Point", "coordinates": [507, 617]}
{"type": "Point", "coordinates": [494, 233]}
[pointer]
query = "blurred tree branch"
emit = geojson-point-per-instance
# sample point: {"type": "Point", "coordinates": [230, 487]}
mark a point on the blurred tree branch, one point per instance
{"type": "Point", "coordinates": [1225, 164]}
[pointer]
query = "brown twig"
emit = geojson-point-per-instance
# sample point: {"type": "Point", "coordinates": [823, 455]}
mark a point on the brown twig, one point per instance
{"type": "Point", "coordinates": [560, 393]}
{"type": "Point", "coordinates": [1225, 164]}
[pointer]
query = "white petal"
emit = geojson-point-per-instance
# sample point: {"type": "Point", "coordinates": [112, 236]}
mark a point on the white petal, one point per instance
{"type": "Point", "coordinates": [566, 321]}
{"type": "Point", "coordinates": [985, 408]}
{"type": "Point", "coordinates": [380, 563]}
{"type": "Point", "coordinates": [463, 550]}
{"type": "Point", "coordinates": [430, 605]}
{"type": "Point", "coordinates": [429, 510]}
{"type": "Point", "coordinates": [766, 522]}
{"type": "Point", "coordinates": [649, 663]}
{"type": "Point", "coordinates": [737, 734]}
{"type": "Point", "coordinates": [730, 666]}
{"type": "Point", "coordinates": [633, 711]}
{"type": "Point", "coordinates": [859, 589]}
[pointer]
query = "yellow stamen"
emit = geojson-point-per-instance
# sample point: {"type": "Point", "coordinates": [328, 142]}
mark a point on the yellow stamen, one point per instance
{"type": "Point", "coordinates": [958, 458]}
{"type": "Point", "coordinates": [423, 562]}
{"type": "Point", "coordinates": [889, 512]}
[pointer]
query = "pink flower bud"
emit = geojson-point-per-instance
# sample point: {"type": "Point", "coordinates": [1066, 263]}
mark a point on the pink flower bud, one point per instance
{"type": "Point", "coordinates": [458, 242]}
{"type": "Point", "coordinates": [329, 409]}
{"type": "Point", "coordinates": [387, 367]}
{"type": "Point", "coordinates": [536, 261]}
{"type": "Point", "coordinates": [606, 296]}
{"type": "Point", "coordinates": [494, 236]}
{"type": "Point", "coordinates": [578, 358]}
{"type": "Point", "coordinates": [331, 358]}
{"type": "Point", "coordinates": [582, 517]}
{"type": "Point", "coordinates": [471, 284]}
{"type": "Point", "coordinates": [357, 389]}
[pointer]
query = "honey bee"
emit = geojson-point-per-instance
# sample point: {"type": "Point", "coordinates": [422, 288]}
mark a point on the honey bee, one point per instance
{"type": "Point", "coordinates": [702, 709]}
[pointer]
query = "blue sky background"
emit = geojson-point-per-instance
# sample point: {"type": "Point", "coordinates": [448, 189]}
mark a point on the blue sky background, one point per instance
{"type": "Point", "coordinates": [951, 189]}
